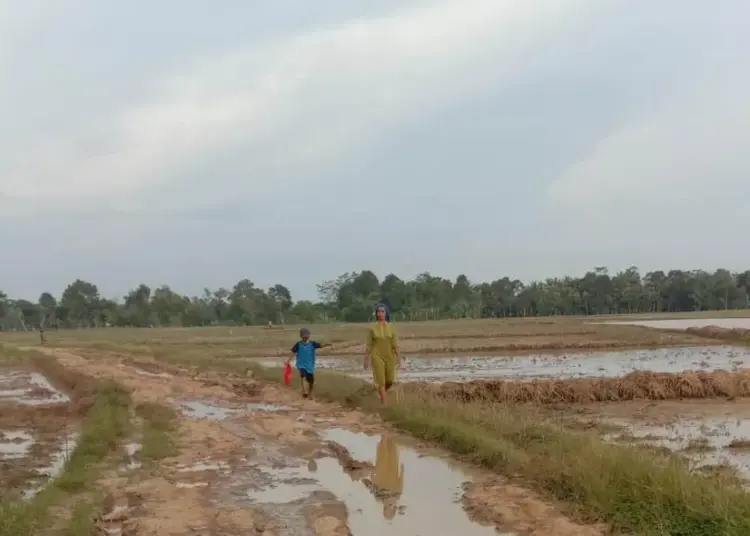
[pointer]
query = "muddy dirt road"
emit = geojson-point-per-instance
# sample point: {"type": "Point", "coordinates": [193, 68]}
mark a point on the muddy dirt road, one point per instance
{"type": "Point", "coordinates": [256, 459]}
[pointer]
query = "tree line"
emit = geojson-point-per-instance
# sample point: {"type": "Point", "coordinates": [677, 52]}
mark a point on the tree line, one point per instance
{"type": "Point", "coordinates": [351, 297]}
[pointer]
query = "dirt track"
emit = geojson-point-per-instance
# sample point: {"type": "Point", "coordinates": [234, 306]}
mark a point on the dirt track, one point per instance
{"type": "Point", "coordinates": [263, 461]}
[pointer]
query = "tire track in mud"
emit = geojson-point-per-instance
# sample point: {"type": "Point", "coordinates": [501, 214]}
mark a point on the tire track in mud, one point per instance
{"type": "Point", "coordinates": [254, 458]}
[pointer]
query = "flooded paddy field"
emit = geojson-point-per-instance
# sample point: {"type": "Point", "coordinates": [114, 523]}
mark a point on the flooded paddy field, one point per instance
{"type": "Point", "coordinates": [685, 323]}
{"type": "Point", "coordinates": [712, 434]}
{"type": "Point", "coordinates": [38, 431]}
{"type": "Point", "coordinates": [560, 366]}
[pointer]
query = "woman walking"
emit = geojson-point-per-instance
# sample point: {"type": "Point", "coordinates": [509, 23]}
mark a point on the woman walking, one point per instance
{"type": "Point", "coordinates": [382, 352]}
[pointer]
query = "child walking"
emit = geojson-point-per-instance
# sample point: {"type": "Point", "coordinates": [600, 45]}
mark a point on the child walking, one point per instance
{"type": "Point", "coordinates": [304, 350]}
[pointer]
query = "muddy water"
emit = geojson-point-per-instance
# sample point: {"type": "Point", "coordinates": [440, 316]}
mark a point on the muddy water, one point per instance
{"type": "Point", "coordinates": [706, 442]}
{"type": "Point", "coordinates": [581, 365]}
{"type": "Point", "coordinates": [29, 388]}
{"type": "Point", "coordinates": [685, 323]}
{"type": "Point", "coordinates": [15, 444]}
{"type": "Point", "coordinates": [54, 467]}
{"type": "Point", "coordinates": [405, 493]}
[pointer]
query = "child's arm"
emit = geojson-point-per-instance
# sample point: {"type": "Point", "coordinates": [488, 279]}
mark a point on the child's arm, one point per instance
{"type": "Point", "coordinates": [318, 345]}
{"type": "Point", "coordinates": [294, 352]}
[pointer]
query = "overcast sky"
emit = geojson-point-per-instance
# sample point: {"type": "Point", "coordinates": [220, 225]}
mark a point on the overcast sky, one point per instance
{"type": "Point", "coordinates": [196, 143]}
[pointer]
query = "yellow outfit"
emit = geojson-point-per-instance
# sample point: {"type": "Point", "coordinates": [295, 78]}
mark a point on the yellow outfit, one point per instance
{"type": "Point", "coordinates": [389, 474]}
{"type": "Point", "coordinates": [382, 343]}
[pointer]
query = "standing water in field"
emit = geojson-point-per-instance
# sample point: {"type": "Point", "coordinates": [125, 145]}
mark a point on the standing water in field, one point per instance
{"type": "Point", "coordinates": [685, 323]}
{"type": "Point", "coordinates": [560, 366]}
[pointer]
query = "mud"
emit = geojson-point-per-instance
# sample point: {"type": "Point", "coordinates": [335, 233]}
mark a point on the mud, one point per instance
{"type": "Point", "coordinates": [581, 365]}
{"type": "Point", "coordinates": [271, 465]}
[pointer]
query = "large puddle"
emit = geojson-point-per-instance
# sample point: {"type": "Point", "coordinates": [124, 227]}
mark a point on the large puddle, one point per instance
{"type": "Point", "coordinates": [685, 323]}
{"type": "Point", "coordinates": [580, 365]}
{"type": "Point", "coordinates": [29, 388]}
{"type": "Point", "coordinates": [705, 442]}
{"type": "Point", "coordinates": [407, 494]}
{"type": "Point", "coordinates": [386, 488]}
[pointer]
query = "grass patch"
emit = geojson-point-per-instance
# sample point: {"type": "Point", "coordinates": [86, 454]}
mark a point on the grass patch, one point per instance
{"type": "Point", "coordinates": [633, 490]}
{"type": "Point", "coordinates": [104, 426]}
{"type": "Point", "coordinates": [159, 430]}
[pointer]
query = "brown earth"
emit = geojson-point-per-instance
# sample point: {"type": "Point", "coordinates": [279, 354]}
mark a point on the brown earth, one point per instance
{"type": "Point", "coordinates": [167, 499]}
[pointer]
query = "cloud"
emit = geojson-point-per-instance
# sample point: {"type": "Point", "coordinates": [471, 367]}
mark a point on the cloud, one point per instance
{"type": "Point", "coordinates": [289, 104]}
{"type": "Point", "coordinates": [690, 148]}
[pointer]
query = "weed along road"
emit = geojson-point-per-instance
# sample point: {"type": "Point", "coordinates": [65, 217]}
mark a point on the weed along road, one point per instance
{"type": "Point", "coordinates": [224, 454]}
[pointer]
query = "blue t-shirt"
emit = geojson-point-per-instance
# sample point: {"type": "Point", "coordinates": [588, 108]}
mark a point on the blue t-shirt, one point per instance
{"type": "Point", "coordinates": [305, 352]}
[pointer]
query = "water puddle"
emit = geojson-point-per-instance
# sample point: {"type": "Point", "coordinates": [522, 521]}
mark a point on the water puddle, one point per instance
{"type": "Point", "coordinates": [53, 469]}
{"type": "Point", "coordinates": [142, 372]}
{"type": "Point", "coordinates": [196, 409]}
{"type": "Point", "coordinates": [15, 444]}
{"type": "Point", "coordinates": [685, 323]}
{"type": "Point", "coordinates": [405, 493]}
{"type": "Point", "coordinates": [132, 454]}
{"type": "Point", "coordinates": [573, 365]}
{"type": "Point", "coordinates": [705, 442]}
{"type": "Point", "coordinates": [204, 465]}
{"type": "Point", "coordinates": [260, 406]}
{"type": "Point", "coordinates": [29, 388]}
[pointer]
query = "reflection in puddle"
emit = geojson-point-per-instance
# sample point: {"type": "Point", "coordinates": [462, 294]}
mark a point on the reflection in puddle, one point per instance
{"type": "Point", "coordinates": [14, 445]}
{"type": "Point", "coordinates": [716, 438]}
{"type": "Point", "coordinates": [407, 494]}
{"type": "Point", "coordinates": [200, 410]}
{"type": "Point", "coordinates": [29, 388]}
{"type": "Point", "coordinates": [573, 365]}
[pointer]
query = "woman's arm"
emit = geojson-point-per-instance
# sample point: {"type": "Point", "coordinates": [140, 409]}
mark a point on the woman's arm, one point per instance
{"type": "Point", "coordinates": [369, 344]}
{"type": "Point", "coordinates": [394, 343]}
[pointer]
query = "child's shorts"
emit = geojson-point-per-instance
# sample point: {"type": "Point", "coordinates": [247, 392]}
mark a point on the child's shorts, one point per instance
{"type": "Point", "coordinates": [307, 375]}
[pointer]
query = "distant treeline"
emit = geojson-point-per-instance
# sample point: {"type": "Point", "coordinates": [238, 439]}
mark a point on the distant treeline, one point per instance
{"type": "Point", "coordinates": [352, 296]}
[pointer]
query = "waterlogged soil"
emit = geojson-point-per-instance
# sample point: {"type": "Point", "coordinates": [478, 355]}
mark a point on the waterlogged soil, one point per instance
{"type": "Point", "coordinates": [685, 323]}
{"type": "Point", "coordinates": [711, 434]}
{"type": "Point", "coordinates": [565, 366]}
{"type": "Point", "coordinates": [38, 431]}
{"type": "Point", "coordinates": [257, 459]}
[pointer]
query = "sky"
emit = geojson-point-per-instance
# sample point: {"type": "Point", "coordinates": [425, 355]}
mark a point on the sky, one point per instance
{"type": "Point", "coordinates": [194, 145]}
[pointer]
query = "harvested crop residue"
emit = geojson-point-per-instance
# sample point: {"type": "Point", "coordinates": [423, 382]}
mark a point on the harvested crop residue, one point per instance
{"type": "Point", "coordinates": [634, 386]}
{"type": "Point", "coordinates": [257, 459]}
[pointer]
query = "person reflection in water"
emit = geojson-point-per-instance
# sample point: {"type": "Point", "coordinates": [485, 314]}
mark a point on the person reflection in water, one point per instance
{"type": "Point", "coordinates": [389, 475]}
